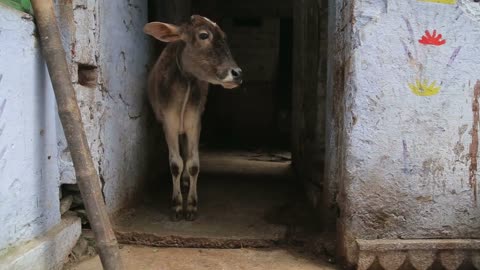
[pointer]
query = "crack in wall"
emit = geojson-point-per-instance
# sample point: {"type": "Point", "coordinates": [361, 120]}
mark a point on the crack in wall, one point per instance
{"type": "Point", "coordinates": [133, 117]}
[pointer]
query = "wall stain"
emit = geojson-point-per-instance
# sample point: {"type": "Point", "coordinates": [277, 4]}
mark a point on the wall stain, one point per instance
{"type": "Point", "coordinates": [459, 147]}
{"type": "Point", "coordinates": [424, 199]}
{"type": "Point", "coordinates": [474, 144]}
{"type": "Point", "coordinates": [405, 155]}
{"type": "Point", "coordinates": [432, 167]}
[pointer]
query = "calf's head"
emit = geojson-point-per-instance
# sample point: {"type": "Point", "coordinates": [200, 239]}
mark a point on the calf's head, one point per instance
{"type": "Point", "coordinates": [206, 54]}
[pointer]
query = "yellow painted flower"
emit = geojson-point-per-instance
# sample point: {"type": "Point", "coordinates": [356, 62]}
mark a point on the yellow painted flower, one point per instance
{"type": "Point", "coordinates": [448, 2]}
{"type": "Point", "coordinates": [424, 89]}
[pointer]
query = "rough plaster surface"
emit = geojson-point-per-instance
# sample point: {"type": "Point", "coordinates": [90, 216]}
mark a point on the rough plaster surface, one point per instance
{"type": "Point", "coordinates": [107, 37]}
{"type": "Point", "coordinates": [404, 161]}
{"type": "Point", "coordinates": [29, 176]}
{"type": "Point", "coordinates": [77, 23]}
{"type": "Point", "coordinates": [124, 52]}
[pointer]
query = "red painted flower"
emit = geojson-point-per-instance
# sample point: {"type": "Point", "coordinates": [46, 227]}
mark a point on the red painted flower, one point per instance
{"type": "Point", "coordinates": [432, 39]}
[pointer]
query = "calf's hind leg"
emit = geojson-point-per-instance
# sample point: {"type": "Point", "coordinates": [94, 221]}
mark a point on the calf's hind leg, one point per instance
{"type": "Point", "coordinates": [171, 130]}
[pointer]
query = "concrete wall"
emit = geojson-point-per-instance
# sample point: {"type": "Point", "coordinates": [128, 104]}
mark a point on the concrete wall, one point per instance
{"type": "Point", "coordinates": [124, 53]}
{"type": "Point", "coordinates": [29, 186]}
{"type": "Point", "coordinates": [109, 62]}
{"type": "Point", "coordinates": [109, 56]}
{"type": "Point", "coordinates": [29, 171]}
{"type": "Point", "coordinates": [404, 155]}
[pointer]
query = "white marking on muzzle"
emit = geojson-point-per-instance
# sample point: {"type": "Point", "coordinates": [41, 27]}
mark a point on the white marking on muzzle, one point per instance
{"type": "Point", "coordinates": [229, 78]}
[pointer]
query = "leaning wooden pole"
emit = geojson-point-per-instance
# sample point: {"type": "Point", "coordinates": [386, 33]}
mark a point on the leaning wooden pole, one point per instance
{"type": "Point", "coordinates": [87, 177]}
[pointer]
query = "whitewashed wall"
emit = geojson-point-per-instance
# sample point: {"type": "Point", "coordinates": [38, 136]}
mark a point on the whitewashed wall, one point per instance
{"type": "Point", "coordinates": [106, 39]}
{"type": "Point", "coordinates": [29, 177]}
{"type": "Point", "coordinates": [405, 155]}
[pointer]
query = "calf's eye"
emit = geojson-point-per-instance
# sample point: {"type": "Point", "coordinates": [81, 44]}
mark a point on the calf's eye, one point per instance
{"type": "Point", "coordinates": [203, 36]}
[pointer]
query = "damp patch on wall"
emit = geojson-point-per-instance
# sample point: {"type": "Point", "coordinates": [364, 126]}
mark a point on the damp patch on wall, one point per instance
{"type": "Point", "coordinates": [448, 2]}
{"type": "Point", "coordinates": [424, 88]}
{"type": "Point", "coordinates": [432, 39]}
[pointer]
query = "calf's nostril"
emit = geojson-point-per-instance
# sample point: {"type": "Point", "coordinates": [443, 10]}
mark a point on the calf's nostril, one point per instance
{"type": "Point", "coordinates": [236, 72]}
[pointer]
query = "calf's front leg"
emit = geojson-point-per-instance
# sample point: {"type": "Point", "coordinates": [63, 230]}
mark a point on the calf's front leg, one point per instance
{"type": "Point", "coordinates": [192, 165]}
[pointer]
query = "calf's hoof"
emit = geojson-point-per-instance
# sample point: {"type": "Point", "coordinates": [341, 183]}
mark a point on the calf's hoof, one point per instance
{"type": "Point", "coordinates": [176, 215]}
{"type": "Point", "coordinates": [191, 215]}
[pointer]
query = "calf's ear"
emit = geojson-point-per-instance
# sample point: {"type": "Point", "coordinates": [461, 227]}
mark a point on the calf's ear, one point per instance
{"type": "Point", "coordinates": [163, 31]}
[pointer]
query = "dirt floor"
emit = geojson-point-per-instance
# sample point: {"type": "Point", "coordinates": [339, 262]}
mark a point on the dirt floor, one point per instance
{"type": "Point", "coordinates": [149, 258]}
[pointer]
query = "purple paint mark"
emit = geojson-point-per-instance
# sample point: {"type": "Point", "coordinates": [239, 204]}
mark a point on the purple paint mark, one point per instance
{"type": "Point", "coordinates": [454, 55]}
{"type": "Point", "coordinates": [2, 107]}
{"type": "Point", "coordinates": [2, 154]}
{"type": "Point", "coordinates": [405, 169]}
{"type": "Point", "coordinates": [412, 35]}
{"type": "Point", "coordinates": [407, 51]}
{"type": "Point", "coordinates": [409, 27]}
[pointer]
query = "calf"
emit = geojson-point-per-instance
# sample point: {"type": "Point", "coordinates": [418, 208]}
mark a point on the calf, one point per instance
{"type": "Point", "coordinates": [197, 54]}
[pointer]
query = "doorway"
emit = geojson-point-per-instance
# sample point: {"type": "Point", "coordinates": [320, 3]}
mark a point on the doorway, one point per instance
{"type": "Point", "coordinates": [262, 145]}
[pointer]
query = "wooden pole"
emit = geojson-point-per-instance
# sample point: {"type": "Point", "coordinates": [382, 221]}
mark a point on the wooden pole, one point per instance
{"type": "Point", "coordinates": [87, 177]}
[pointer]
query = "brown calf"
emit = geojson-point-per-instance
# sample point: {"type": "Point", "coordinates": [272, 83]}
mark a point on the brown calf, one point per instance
{"type": "Point", "coordinates": [197, 54]}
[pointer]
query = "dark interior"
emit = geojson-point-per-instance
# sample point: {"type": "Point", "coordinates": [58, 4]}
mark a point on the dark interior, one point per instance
{"type": "Point", "coordinates": [257, 115]}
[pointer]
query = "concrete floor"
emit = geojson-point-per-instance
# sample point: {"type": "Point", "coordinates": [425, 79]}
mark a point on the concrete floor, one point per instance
{"type": "Point", "coordinates": [246, 201]}
{"type": "Point", "coordinates": [237, 194]}
{"type": "Point", "coordinates": [149, 258]}
{"type": "Point", "coordinates": [231, 214]}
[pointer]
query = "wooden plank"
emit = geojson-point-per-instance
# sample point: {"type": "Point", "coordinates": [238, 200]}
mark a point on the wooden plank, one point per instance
{"type": "Point", "coordinates": [309, 85]}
